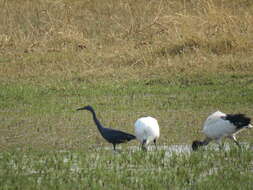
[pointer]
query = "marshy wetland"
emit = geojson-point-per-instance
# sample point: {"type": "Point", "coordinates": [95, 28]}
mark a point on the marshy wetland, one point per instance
{"type": "Point", "coordinates": [177, 61]}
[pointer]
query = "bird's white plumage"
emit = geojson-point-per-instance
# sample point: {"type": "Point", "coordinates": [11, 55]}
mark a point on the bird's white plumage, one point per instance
{"type": "Point", "coordinates": [219, 125]}
{"type": "Point", "coordinates": [147, 128]}
{"type": "Point", "coordinates": [215, 127]}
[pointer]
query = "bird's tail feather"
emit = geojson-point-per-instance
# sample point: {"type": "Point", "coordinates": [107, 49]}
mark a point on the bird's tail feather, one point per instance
{"type": "Point", "coordinates": [239, 120]}
{"type": "Point", "coordinates": [130, 137]}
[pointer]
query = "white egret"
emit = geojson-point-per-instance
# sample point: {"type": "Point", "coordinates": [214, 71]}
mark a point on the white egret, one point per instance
{"type": "Point", "coordinates": [146, 131]}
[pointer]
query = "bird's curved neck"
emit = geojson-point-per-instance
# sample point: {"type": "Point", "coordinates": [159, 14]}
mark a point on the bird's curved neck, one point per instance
{"type": "Point", "coordinates": [96, 121]}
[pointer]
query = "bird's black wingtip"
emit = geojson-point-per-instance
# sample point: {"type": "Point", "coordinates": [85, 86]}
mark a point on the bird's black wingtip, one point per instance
{"type": "Point", "coordinates": [132, 137]}
{"type": "Point", "coordinates": [239, 120]}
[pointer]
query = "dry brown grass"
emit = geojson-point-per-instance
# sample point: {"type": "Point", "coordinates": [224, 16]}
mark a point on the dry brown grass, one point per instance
{"type": "Point", "coordinates": [120, 40]}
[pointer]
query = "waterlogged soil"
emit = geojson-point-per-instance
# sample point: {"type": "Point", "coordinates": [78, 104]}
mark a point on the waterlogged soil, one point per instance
{"type": "Point", "coordinates": [176, 148]}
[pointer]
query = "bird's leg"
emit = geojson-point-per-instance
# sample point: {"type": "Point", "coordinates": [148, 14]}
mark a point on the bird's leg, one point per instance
{"type": "Point", "coordinates": [144, 148]}
{"type": "Point", "coordinates": [218, 141]}
{"type": "Point", "coordinates": [143, 145]}
{"type": "Point", "coordinates": [235, 140]}
{"type": "Point", "coordinates": [155, 144]}
{"type": "Point", "coordinates": [115, 150]}
{"type": "Point", "coordinates": [140, 147]}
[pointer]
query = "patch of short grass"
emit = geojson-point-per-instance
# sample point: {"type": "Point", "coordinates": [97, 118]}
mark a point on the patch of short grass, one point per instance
{"type": "Point", "coordinates": [44, 115]}
{"type": "Point", "coordinates": [104, 169]}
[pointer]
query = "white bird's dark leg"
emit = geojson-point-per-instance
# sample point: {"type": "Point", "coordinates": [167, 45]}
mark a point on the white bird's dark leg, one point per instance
{"type": "Point", "coordinates": [143, 145]}
{"type": "Point", "coordinates": [218, 141]}
{"type": "Point", "coordinates": [140, 147]}
{"type": "Point", "coordinates": [155, 144]}
{"type": "Point", "coordinates": [235, 140]}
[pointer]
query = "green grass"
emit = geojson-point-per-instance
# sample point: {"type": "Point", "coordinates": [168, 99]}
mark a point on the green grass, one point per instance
{"type": "Point", "coordinates": [175, 60]}
{"type": "Point", "coordinates": [52, 108]}
{"type": "Point", "coordinates": [47, 144]}
{"type": "Point", "coordinates": [33, 169]}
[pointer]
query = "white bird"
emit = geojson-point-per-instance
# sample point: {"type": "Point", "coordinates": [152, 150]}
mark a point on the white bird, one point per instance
{"type": "Point", "coordinates": [219, 125]}
{"type": "Point", "coordinates": [146, 131]}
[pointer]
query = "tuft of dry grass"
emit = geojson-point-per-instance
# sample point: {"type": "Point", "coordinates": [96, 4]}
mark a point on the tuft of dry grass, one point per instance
{"type": "Point", "coordinates": [115, 40]}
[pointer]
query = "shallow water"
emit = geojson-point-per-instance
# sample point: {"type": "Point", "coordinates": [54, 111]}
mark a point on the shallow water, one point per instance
{"type": "Point", "coordinates": [176, 148]}
{"type": "Point", "coordinates": [169, 150]}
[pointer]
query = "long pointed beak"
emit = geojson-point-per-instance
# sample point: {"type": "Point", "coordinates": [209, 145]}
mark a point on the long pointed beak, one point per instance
{"type": "Point", "coordinates": [79, 109]}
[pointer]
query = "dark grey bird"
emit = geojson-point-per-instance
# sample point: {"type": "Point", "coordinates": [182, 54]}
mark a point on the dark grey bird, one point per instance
{"type": "Point", "coordinates": [111, 135]}
{"type": "Point", "coordinates": [219, 125]}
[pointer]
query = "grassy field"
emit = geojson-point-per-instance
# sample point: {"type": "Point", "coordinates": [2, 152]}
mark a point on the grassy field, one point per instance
{"type": "Point", "coordinates": [176, 60]}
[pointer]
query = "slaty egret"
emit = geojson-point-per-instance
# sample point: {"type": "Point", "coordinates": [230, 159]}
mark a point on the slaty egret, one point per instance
{"type": "Point", "coordinates": [110, 135]}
